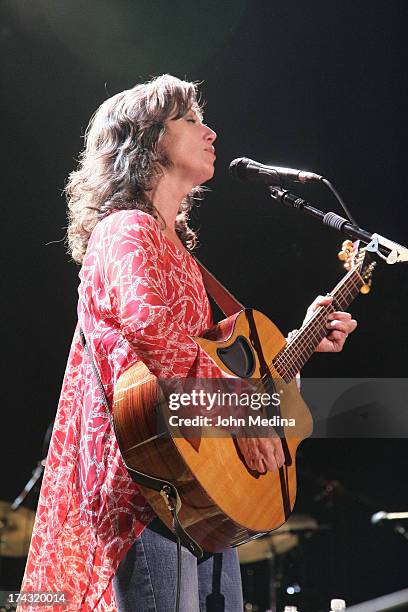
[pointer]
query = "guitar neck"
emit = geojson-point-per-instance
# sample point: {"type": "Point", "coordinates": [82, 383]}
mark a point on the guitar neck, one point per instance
{"type": "Point", "coordinates": [304, 343]}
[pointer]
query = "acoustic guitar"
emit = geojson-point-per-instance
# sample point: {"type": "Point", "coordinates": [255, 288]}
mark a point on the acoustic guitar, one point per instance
{"type": "Point", "coordinates": [224, 503]}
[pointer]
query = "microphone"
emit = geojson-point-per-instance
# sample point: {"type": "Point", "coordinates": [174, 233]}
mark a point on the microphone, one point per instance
{"type": "Point", "coordinates": [248, 170]}
{"type": "Point", "coordinates": [378, 517]}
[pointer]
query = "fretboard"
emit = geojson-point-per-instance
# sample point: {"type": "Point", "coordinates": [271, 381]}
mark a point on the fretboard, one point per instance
{"type": "Point", "coordinates": [303, 344]}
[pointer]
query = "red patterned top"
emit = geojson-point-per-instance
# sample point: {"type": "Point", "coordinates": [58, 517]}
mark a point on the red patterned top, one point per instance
{"type": "Point", "coordinates": [140, 297]}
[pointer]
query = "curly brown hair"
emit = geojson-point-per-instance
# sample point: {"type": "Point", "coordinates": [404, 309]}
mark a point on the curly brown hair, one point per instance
{"type": "Point", "coordinates": [122, 155]}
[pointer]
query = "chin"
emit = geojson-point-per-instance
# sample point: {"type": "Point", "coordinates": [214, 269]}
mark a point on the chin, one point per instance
{"type": "Point", "coordinates": [209, 175]}
{"type": "Point", "coordinates": [203, 176]}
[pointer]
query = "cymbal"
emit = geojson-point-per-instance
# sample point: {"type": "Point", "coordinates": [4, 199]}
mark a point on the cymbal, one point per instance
{"type": "Point", "coordinates": [16, 527]}
{"type": "Point", "coordinates": [277, 542]}
{"type": "Point", "coordinates": [298, 522]}
{"type": "Point", "coordinates": [264, 547]}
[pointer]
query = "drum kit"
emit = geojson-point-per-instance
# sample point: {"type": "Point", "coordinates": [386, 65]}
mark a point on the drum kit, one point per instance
{"type": "Point", "coordinates": [17, 521]}
{"type": "Point", "coordinates": [15, 530]}
{"type": "Point", "coordinates": [262, 560]}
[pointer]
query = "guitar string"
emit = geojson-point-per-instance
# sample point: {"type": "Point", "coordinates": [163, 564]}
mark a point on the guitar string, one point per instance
{"type": "Point", "coordinates": [286, 358]}
{"type": "Point", "coordinates": [285, 363]}
{"type": "Point", "coordinates": [304, 343]}
{"type": "Point", "coordinates": [301, 346]}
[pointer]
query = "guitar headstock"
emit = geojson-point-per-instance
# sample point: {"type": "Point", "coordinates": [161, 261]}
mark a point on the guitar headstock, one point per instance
{"type": "Point", "coordinates": [356, 258]}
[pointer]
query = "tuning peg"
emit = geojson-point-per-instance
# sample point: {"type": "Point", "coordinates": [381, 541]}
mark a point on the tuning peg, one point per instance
{"type": "Point", "coordinates": [347, 250]}
{"type": "Point", "coordinates": [366, 288]}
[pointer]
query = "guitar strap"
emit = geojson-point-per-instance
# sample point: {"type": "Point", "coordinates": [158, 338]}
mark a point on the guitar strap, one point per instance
{"type": "Point", "coordinates": [229, 305]}
{"type": "Point", "coordinates": [221, 296]}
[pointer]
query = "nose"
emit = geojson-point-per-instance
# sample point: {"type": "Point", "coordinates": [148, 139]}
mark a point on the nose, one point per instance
{"type": "Point", "coordinates": [209, 134]}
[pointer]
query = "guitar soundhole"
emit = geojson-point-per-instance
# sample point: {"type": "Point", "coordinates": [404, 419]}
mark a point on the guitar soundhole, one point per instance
{"type": "Point", "coordinates": [238, 357]}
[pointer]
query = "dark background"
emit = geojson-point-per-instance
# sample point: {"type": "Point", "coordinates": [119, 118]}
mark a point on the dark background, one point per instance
{"type": "Point", "coordinates": [319, 85]}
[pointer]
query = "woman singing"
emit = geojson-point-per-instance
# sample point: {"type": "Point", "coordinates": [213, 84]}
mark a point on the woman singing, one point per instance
{"type": "Point", "coordinates": [141, 297]}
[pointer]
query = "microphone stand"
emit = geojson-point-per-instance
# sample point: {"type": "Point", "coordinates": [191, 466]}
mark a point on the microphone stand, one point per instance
{"type": "Point", "coordinates": [30, 484]}
{"type": "Point", "coordinates": [388, 250]}
{"type": "Point", "coordinates": [382, 518]}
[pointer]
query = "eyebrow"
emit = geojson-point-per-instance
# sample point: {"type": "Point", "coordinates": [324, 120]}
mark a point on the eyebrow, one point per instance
{"type": "Point", "coordinates": [196, 113]}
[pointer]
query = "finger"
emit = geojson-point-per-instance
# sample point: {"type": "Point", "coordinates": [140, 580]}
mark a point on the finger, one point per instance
{"type": "Point", "coordinates": [337, 340]}
{"type": "Point", "coordinates": [255, 464]}
{"type": "Point", "coordinates": [337, 335]}
{"type": "Point", "coordinates": [261, 463]}
{"type": "Point", "coordinates": [258, 461]}
{"type": "Point", "coordinates": [347, 326]}
{"type": "Point", "coordinates": [275, 457]}
{"type": "Point", "coordinates": [267, 460]}
{"type": "Point", "coordinates": [339, 314]}
{"type": "Point", "coordinates": [321, 300]}
{"type": "Point", "coordinates": [270, 462]}
{"type": "Point", "coordinates": [351, 324]}
{"type": "Point", "coordinates": [338, 325]}
{"type": "Point", "coordinates": [260, 466]}
{"type": "Point", "coordinates": [279, 454]}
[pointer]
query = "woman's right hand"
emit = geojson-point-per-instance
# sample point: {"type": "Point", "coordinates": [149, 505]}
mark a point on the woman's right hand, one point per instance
{"type": "Point", "coordinates": [262, 454]}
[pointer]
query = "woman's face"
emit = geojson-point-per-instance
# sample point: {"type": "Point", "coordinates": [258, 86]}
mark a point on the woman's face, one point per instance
{"type": "Point", "coordinates": [188, 144]}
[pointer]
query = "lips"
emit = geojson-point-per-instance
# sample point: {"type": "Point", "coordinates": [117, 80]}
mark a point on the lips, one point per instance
{"type": "Point", "coordinates": [210, 150]}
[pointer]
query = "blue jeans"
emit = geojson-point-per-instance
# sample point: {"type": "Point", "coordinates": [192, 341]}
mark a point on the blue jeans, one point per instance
{"type": "Point", "coordinates": [146, 578]}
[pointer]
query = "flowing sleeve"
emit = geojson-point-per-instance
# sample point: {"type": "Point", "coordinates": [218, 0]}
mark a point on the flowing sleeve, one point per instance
{"type": "Point", "coordinates": [138, 285]}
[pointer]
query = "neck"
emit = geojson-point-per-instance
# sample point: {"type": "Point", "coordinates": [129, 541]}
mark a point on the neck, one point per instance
{"type": "Point", "coordinates": [298, 351]}
{"type": "Point", "coordinates": [167, 195]}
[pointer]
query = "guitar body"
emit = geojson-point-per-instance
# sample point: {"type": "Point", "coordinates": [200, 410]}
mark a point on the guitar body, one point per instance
{"type": "Point", "coordinates": [224, 503]}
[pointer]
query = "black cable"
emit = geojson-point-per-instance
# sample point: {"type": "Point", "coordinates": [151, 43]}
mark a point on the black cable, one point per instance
{"type": "Point", "coordinates": [178, 540]}
{"type": "Point", "coordinates": [340, 200]}
{"type": "Point", "coordinates": [177, 608]}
